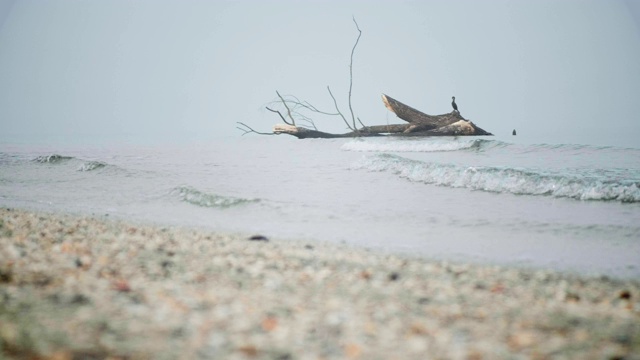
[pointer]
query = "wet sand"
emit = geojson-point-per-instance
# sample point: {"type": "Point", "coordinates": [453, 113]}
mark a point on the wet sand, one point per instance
{"type": "Point", "coordinates": [79, 287]}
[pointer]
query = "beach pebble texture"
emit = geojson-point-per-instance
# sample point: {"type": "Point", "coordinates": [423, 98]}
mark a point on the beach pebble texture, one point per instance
{"type": "Point", "coordinates": [75, 287]}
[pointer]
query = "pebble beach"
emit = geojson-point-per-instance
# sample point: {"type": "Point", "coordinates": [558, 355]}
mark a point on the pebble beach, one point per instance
{"type": "Point", "coordinates": [77, 287]}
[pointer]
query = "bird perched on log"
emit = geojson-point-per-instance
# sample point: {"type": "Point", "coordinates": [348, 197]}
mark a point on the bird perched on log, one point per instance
{"type": "Point", "coordinates": [453, 103]}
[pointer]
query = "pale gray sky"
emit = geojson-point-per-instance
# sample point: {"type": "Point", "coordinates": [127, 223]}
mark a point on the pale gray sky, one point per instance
{"type": "Point", "coordinates": [158, 70]}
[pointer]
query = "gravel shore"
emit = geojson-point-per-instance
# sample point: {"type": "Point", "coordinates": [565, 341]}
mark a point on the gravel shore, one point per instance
{"type": "Point", "coordinates": [87, 288]}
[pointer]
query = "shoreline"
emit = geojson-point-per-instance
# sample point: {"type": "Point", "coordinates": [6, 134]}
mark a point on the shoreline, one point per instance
{"type": "Point", "coordinates": [79, 286]}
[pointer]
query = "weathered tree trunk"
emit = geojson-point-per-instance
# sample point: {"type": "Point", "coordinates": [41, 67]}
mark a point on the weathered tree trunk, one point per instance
{"type": "Point", "coordinates": [419, 124]}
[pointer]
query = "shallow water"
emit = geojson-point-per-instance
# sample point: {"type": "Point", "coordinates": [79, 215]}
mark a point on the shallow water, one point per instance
{"type": "Point", "coordinates": [568, 207]}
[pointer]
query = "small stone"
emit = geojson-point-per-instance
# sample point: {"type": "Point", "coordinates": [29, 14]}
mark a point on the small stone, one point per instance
{"type": "Point", "coordinates": [121, 286]}
{"type": "Point", "coordinates": [625, 294]}
{"type": "Point", "coordinates": [269, 323]}
{"type": "Point", "coordinates": [353, 351]}
{"type": "Point", "coordinates": [394, 276]}
{"type": "Point", "coordinates": [572, 297]}
{"type": "Point", "coordinates": [248, 350]}
{"type": "Point", "coordinates": [6, 276]}
{"type": "Point", "coordinates": [522, 339]}
{"type": "Point", "coordinates": [79, 299]}
{"type": "Point", "coordinates": [258, 238]}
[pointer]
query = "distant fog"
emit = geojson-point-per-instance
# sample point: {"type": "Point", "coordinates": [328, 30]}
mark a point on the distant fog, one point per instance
{"type": "Point", "coordinates": [164, 71]}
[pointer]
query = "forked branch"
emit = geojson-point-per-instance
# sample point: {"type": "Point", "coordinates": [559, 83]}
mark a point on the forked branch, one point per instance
{"type": "Point", "coordinates": [246, 129]}
{"type": "Point", "coordinates": [287, 107]}
{"type": "Point", "coordinates": [281, 117]}
{"type": "Point", "coordinates": [338, 109]}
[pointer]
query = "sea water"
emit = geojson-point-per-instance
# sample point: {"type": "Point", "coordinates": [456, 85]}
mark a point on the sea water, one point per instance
{"type": "Point", "coordinates": [484, 200]}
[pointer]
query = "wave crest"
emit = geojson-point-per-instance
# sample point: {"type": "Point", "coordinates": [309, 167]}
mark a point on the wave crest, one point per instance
{"type": "Point", "coordinates": [52, 159]}
{"type": "Point", "coordinates": [91, 165]}
{"type": "Point", "coordinates": [196, 197]}
{"type": "Point", "coordinates": [505, 180]}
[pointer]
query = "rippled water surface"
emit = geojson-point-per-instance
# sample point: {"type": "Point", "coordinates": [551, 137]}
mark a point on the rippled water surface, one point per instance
{"type": "Point", "coordinates": [572, 207]}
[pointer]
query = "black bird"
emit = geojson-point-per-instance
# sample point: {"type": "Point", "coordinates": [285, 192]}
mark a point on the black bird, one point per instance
{"type": "Point", "coordinates": [453, 103]}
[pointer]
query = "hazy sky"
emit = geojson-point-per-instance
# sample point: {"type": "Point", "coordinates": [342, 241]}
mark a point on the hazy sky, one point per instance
{"type": "Point", "coordinates": [158, 70]}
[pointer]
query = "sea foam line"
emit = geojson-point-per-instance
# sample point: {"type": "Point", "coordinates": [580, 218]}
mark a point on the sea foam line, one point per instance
{"type": "Point", "coordinates": [200, 198]}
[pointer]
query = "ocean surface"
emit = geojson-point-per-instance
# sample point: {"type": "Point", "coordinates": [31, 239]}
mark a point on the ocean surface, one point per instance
{"type": "Point", "coordinates": [483, 200]}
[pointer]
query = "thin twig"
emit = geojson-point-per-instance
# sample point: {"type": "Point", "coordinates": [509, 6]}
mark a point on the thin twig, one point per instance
{"type": "Point", "coordinates": [248, 130]}
{"type": "Point", "coordinates": [310, 122]}
{"type": "Point", "coordinates": [353, 118]}
{"type": "Point", "coordinates": [338, 109]}
{"type": "Point", "coordinates": [281, 117]}
{"type": "Point", "coordinates": [295, 102]}
{"type": "Point", "coordinates": [307, 105]}
{"type": "Point", "coordinates": [288, 110]}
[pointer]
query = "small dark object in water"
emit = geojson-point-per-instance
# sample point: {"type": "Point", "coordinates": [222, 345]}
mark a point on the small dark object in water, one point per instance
{"type": "Point", "coordinates": [394, 276]}
{"type": "Point", "coordinates": [513, 132]}
{"type": "Point", "coordinates": [625, 294]}
{"type": "Point", "coordinates": [453, 103]}
{"type": "Point", "coordinates": [258, 238]}
{"type": "Point", "coordinates": [310, 247]}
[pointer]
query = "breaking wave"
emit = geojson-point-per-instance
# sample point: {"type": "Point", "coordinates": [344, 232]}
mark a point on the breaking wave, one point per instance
{"type": "Point", "coordinates": [91, 165]}
{"type": "Point", "coordinates": [200, 198]}
{"type": "Point", "coordinates": [508, 180]}
{"type": "Point", "coordinates": [52, 159]}
{"type": "Point", "coordinates": [432, 145]}
{"type": "Point", "coordinates": [80, 164]}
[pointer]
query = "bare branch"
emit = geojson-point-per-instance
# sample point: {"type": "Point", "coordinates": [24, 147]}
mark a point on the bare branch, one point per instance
{"type": "Point", "coordinates": [310, 122]}
{"type": "Point", "coordinates": [286, 106]}
{"type": "Point", "coordinates": [295, 102]}
{"type": "Point", "coordinates": [299, 109]}
{"type": "Point", "coordinates": [305, 104]}
{"type": "Point", "coordinates": [281, 117]}
{"type": "Point", "coordinates": [246, 129]}
{"type": "Point", "coordinates": [351, 71]}
{"type": "Point", "coordinates": [338, 109]}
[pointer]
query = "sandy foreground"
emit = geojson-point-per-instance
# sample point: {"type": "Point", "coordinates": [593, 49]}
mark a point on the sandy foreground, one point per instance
{"type": "Point", "coordinates": [86, 288]}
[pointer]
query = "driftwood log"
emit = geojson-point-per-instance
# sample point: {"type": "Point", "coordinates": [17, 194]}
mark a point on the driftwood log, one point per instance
{"type": "Point", "coordinates": [418, 124]}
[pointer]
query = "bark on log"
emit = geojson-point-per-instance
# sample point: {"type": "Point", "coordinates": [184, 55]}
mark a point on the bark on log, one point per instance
{"type": "Point", "coordinates": [304, 133]}
{"type": "Point", "coordinates": [420, 120]}
{"type": "Point", "coordinates": [459, 128]}
{"type": "Point", "coordinates": [386, 129]}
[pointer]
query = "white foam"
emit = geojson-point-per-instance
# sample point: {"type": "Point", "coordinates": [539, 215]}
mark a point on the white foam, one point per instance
{"type": "Point", "coordinates": [503, 180]}
{"type": "Point", "coordinates": [408, 146]}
